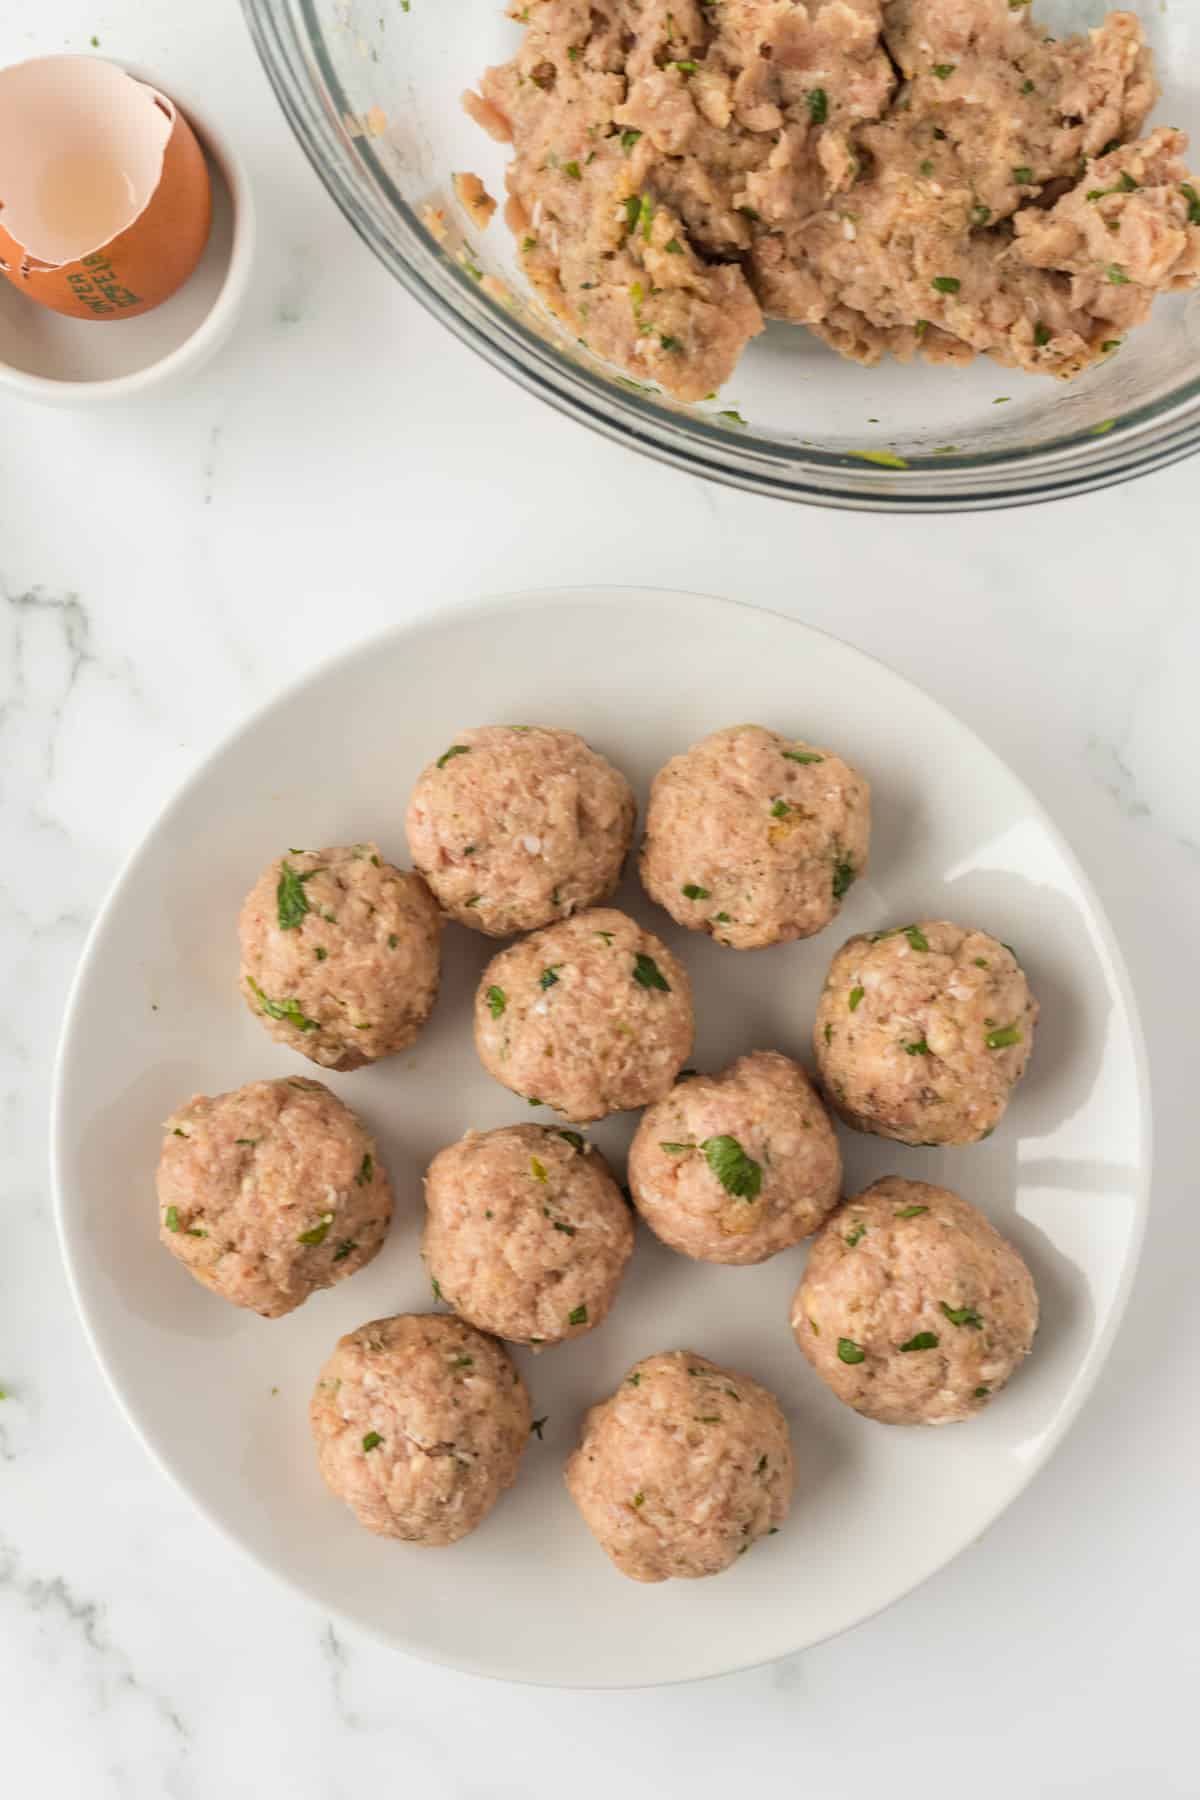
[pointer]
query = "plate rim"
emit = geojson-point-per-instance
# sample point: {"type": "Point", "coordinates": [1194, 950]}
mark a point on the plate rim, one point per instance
{"type": "Point", "coordinates": [459, 610]}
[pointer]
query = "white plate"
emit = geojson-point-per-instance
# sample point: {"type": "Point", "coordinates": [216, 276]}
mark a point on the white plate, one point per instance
{"type": "Point", "coordinates": [155, 1016]}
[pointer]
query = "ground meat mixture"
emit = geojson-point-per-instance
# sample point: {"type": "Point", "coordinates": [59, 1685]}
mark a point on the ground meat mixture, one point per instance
{"type": "Point", "coordinates": [733, 1168]}
{"type": "Point", "coordinates": [932, 176]}
{"type": "Point", "coordinates": [913, 1308]}
{"type": "Point", "coordinates": [755, 838]}
{"type": "Point", "coordinates": [340, 954]}
{"type": "Point", "coordinates": [591, 1017]}
{"type": "Point", "coordinates": [526, 1232]}
{"type": "Point", "coordinates": [923, 1031]}
{"type": "Point", "coordinates": [516, 825]}
{"type": "Point", "coordinates": [683, 1469]}
{"type": "Point", "coordinates": [420, 1423]}
{"type": "Point", "coordinates": [270, 1192]}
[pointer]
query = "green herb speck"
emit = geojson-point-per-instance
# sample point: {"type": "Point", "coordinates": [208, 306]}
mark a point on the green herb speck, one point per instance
{"type": "Point", "coordinates": [849, 1351]}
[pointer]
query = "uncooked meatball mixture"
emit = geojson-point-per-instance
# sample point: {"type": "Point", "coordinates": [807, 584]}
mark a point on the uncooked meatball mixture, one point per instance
{"type": "Point", "coordinates": [923, 1031]}
{"type": "Point", "coordinates": [341, 954]}
{"type": "Point", "coordinates": [755, 838]}
{"type": "Point", "coordinates": [683, 1469]}
{"type": "Point", "coordinates": [270, 1192]}
{"type": "Point", "coordinates": [593, 1016]}
{"type": "Point", "coordinates": [420, 1423]}
{"type": "Point", "coordinates": [913, 1308]}
{"type": "Point", "coordinates": [517, 825]}
{"type": "Point", "coordinates": [933, 177]}
{"type": "Point", "coordinates": [733, 1168]}
{"type": "Point", "coordinates": [526, 1232]}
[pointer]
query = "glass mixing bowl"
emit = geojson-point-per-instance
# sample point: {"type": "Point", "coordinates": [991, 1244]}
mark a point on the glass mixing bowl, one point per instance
{"type": "Point", "coordinates": [372, 89]}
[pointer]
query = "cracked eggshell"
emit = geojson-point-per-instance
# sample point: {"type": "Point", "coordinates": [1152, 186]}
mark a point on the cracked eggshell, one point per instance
{"type": "Point", "coordinates": [105, 202]}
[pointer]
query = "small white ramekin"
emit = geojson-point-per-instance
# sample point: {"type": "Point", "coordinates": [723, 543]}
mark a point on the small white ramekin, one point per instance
{"type": "Point", "coordinates": [52, 365]}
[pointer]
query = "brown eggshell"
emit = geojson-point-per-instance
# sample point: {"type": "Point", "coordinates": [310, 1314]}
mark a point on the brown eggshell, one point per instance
{"type": "Point", "coordinates": [144, 264]}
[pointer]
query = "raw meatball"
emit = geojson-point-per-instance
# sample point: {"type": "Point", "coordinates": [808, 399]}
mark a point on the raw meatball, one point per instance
{"type": "Point", "coordinates": [270, 1192]}
{"type": "Point", "coordinates": [683, 1469]}
{"type": "Point", "coordinates": [526, 1232]}
{"type": "Point", "coordinates": [340, 954]}
{"type": "Point", "coordinates": [592, 1016]}
{"type": "Point", "coordinates": [923, 1031]}
{"type": "Point", "coordinates": [755, 838]}
{"type": "Point", "coordinates": [420, 1422]}
{"type": "Point", "coordinates": [913, 1308]}
{"type": "Point", "coordinates": [733, 1168]}
{"type": "Point", "coordinates": [516, 825]}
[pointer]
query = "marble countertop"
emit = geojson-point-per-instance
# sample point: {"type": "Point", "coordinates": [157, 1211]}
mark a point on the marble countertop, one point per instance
{"type": "Point", "coordinates": [166, 567]}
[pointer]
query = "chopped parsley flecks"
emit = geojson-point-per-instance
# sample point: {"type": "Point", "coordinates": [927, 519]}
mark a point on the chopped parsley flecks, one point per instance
{"type": "Point", "coordinates": [916, 937]}
{"type": "Point", "coordinates": [962, 1315]}
{"type": "Point", "coordinates": [371, 1442]}
{"type": "Point", "coordinates": [537, 1169]}
{"type": "Point", "coordinates": [780, 809]}
{"type": "Point", "coordinates": [924, 1340]}
{"type": "Point", "coordinates": [980, 214]}
{"type": "Point", "coordinates": [634, 1380]}
{"type": "Point", "coordinates": [849, 1351]}
{"type": "Point", "coordinates": [577, 1316]}
{"type": "Point", "coordinates": [321, 953]}
{"type": "Point", "coordinates": [856, 1236]}
{"type": "Point", "coordinates": [639, 1499]}
{"type": "Point", "coordinates": [1003, 1037]}
{"type": "Point", "coordinates": [843, 879]}
{"type": "Point", "coordinates": [673, 1149]}
{"type": "Point", "coordinates": [943, 71]}
{"type": "Point", "coordinates": [981, 1393]}
{"type": "Point", "coordinates": [435, 1287]}
{"type": "Point", "coordinates": [291, 901]}
{"type": "Point", "coordinates": [911, 1212]}
{"type": "Point", "coordinates": [629, 139]}
{"type": "Point", "coordinates": [647, 973]}
{"type": "Point", "coordinates": [920, 1048]}
{"type": "Point", "coordinates": [366, 1170]}
{"type": "Point", "coordinates": [855, 998]}
{"type": "Point", "coordinates": [183, 1134]}
{"type": "Point", "coordinates": [247, 1141]}
{"type": "Point", "coordinates": [343, 1250]}
{"type": "Point", "coordinates": [1041, 335]}
{"type": "Point", "coordinates": [319, 1232]}
{"type": "Point", "coordinates": [549, 976]}
{"type": "Point", "coordinates": [828, 1033]}
{"type": "Point", "coordinates": [737, 1173]}
{"type": "Point", "coordinates": [1116, 275]}
{"type": "Point", "coordinates": [574, 1138]}
{"type": "Point", "coordinates": [171, 1218]}
{"type": "Point", "coordinates": [1193, 199]}
{"type": "Point", "coordinates": [289, 1009]}
{"type": "Point", "coordinates": [606, 935]}
{"type": "Point", "coordinates": [464, 1362]}
{"type": "Point", "coordinates": [691, 890]}
{"type": "Point", "coordinates": [803, 756]}
{"type": "Point", "coordinates": [497, 1000]}
{"type": "Point", "coordinates": [393, 940]}
{"type": "Point", "coordinates": [454, 750]}
{"type": "Point", "coordinates": [1023, 175]}
{"type": "Point", "coordinates": [947, 284]}
{"type": "Point", "coordinates": [818, 105]}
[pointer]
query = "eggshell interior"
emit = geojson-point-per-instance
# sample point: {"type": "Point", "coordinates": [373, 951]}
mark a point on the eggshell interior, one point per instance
{"type": "Point", "coordinates": [62, 107]}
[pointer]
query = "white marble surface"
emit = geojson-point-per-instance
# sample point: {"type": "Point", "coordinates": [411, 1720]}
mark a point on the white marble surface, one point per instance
{"type": "Point", "coordinates": [165, 568]}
